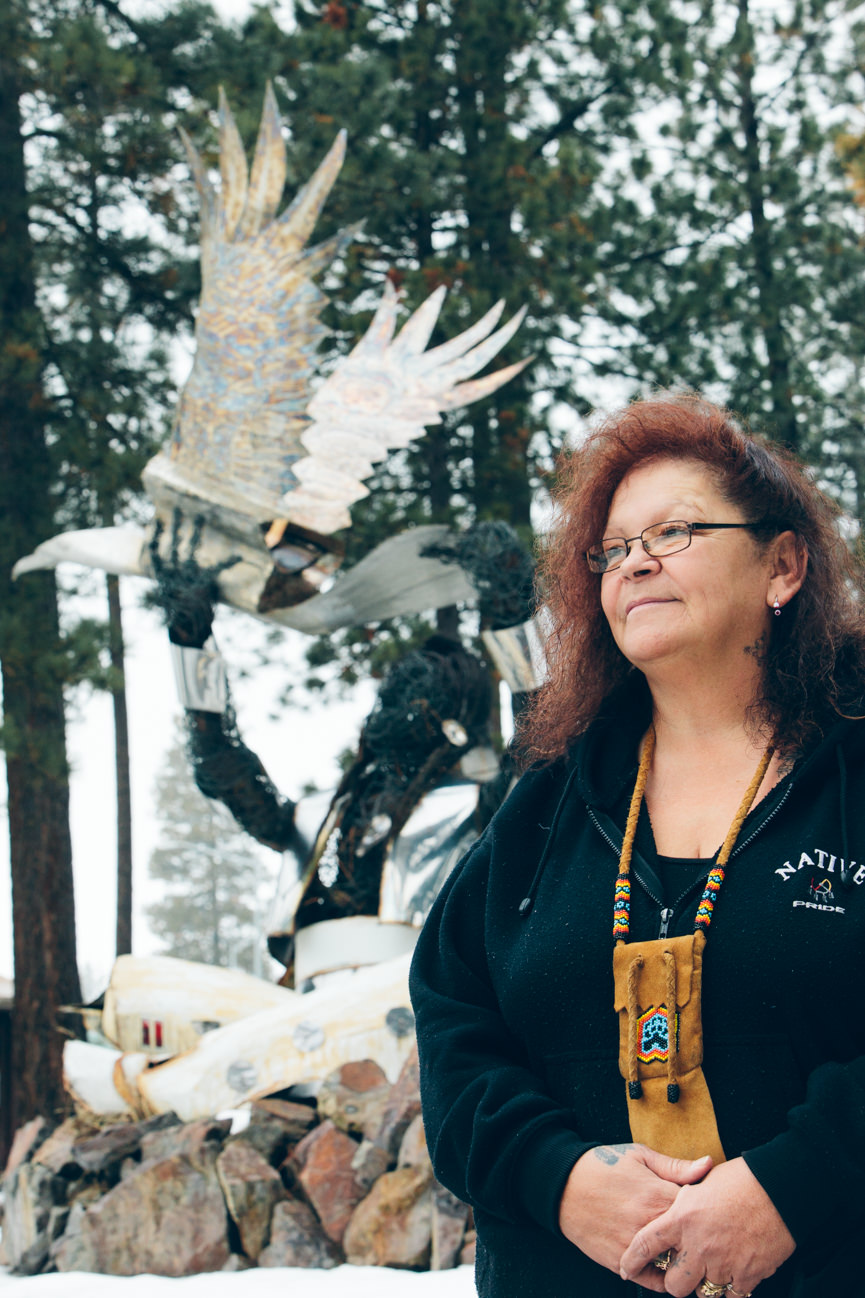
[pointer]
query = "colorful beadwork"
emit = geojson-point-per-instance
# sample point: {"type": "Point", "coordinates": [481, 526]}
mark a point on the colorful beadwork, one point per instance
{"type": "Point", "coordinates": [622, 907]}
{"type": "Point", "coordinates": [653, 1034]}
{"type": "Point", "coordinates": [703, 918]}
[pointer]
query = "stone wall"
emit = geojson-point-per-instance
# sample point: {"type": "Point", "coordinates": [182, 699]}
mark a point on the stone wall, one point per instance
{"type": "Point", "coordinates": [344, 1179]}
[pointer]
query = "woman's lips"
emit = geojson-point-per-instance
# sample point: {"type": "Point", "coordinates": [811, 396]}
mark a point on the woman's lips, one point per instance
{"type": "Point", "coordinates": [644, 603]}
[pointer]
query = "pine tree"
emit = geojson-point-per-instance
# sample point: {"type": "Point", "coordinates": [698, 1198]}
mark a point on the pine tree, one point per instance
{"type": "Point", "coordinates": [100, 126]}
{"type": "Point", "coordinates": [748, 278]}
{"type": "Point", "coordinates": [659, 182]}
{"type": "Point", "coordinates": [43, 911]}
{"type": "Point", "coordinates": [87, 111]}
{"type": "Point", "coordinates": [216, 888]}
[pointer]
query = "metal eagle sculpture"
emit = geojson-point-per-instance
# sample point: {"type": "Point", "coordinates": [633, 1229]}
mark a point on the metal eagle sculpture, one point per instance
{"type": "Point", "coordinates": [249, 498]}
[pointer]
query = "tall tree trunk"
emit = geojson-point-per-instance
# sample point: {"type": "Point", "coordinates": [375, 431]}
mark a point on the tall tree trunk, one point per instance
{"type": "Point", "coordinates": [777, 350]}
{"type": "Point", "coordinates": [121, 768]}
{"type": "Point", "coordinates": [43, 906]}
{"type": "Point", "coordinates": [435, 448]}
{"type": "Point", "coordinates": [487, 38]}
{"type": "Point", "coordinates": [123, 936]}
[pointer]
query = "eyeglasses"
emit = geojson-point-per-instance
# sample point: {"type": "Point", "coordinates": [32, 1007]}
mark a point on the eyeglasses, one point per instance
{"type": "Point", "coordinates": [658, 540]}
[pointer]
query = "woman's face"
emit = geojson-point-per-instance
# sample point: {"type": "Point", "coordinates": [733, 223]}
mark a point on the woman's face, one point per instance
{"type": "Point", "coordinates": [703, 605]}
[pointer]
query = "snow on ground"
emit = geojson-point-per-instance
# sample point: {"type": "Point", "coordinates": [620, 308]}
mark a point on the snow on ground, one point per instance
{"type": "Point", "coordinates": [276, 1282]}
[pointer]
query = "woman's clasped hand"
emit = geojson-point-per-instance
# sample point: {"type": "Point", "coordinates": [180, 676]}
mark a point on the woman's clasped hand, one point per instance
{"type": "Point", "coordinates": [672, 1224]}
{"type": "Point", "coordinates": [698, 1221]}
{"type": "Point", "coordinates": [628, 1187]}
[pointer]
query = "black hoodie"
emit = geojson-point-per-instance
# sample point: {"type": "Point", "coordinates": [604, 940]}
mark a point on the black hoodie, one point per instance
{"type": "Point", "coordinates": [513, 993]}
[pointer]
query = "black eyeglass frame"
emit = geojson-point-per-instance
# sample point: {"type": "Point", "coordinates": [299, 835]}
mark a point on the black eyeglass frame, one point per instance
{"type": "Point", "coordinates": [629, 540]}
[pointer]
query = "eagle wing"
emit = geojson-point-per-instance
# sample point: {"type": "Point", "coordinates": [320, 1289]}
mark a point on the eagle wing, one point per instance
{"type": "Point", "coordinates": [241, 413]}
{"type": "Point", "coordinates": [382, 396]}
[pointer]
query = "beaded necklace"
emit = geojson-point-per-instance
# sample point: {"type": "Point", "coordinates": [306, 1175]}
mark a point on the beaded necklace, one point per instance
{"type": "Point", "coordinates": [706, 906]}
{"type": "Point", "coordinates": [658, 995]}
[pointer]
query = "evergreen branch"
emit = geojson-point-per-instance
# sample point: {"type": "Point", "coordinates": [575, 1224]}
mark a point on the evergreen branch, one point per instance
{"type": "Point", "coordinates": [112, 7]}
{"type": "Point", "coordinates": [43, 133]}
{"type": "Point", "coordinates": [658, 253]}
{"type": "Point", "coordinates": [105, 250]}
{"type": "Point", "coordinates": [808, 45]}
{"type": "Point", "coordinates": [568, 119]}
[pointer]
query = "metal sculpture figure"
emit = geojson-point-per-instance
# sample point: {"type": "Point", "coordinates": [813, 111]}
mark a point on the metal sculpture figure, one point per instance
{"type": "Point", "coordinates": [248, 500]}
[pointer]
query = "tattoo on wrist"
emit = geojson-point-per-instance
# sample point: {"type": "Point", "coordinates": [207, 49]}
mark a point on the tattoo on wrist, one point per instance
{"type": "Point", "coordinates": [610, 1154]}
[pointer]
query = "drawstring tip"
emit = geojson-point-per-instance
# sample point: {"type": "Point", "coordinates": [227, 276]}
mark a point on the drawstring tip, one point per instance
{"type": "Point", "coordinates": [524, 907]}
{"type": "Point", "coordinates": [635, 1090]}
{"type": "Point", "coordinates": [673, 1093]}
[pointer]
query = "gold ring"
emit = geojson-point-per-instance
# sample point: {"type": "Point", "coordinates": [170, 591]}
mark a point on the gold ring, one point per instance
{"type": "Point", "coordinates": [710, 1290]}
{"type": "Point", "coordinates": [730, 1289]}
{"type": "Point", "coordinates": [663, 1260]}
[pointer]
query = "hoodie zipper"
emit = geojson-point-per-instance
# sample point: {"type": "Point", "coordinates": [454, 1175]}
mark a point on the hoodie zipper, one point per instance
{"type": "Point", "coordinates": [665, 913]}
{"type": "Point", "coordinates": [603, 833]}
{"type": "Point", "coordinates": [740, 847]}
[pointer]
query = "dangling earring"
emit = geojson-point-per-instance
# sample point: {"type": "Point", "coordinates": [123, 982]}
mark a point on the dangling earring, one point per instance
{"type": "Point", "coordinates": [777, 607]}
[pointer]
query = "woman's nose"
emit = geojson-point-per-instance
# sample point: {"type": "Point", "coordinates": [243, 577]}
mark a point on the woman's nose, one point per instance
{"type": "Point", "coordinates": [638, 561]}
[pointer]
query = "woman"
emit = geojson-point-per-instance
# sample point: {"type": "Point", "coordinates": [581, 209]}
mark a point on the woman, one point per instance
{"type": "Point", "coordinates": [636, 1057]}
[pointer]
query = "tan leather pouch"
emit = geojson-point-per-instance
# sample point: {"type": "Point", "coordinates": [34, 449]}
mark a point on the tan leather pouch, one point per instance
{"type": "Point", "coordinates": [647, 1028]}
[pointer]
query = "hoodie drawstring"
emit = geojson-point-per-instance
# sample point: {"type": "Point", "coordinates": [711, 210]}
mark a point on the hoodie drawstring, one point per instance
{"type": "Point", "coordinates": [846, 871]}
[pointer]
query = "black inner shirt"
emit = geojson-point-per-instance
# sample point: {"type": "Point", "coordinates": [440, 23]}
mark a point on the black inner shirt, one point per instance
{"type": "Point", "coordinates": [676, 874]}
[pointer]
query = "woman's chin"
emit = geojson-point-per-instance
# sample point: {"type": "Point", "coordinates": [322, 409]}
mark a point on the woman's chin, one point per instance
{"type": "Point", "coordinates": [645, 651]}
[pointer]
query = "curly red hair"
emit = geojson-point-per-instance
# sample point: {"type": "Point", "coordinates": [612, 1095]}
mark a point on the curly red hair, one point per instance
{"type": "Point", "coordinates": [814, 665]}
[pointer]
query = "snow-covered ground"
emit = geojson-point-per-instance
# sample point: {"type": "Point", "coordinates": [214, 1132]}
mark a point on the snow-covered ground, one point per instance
{"type": "Point", "coordinates": [278, 1282]}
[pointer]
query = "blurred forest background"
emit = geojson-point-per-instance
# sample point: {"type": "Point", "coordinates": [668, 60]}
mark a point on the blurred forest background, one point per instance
{"type": "Point", "coordinates": [675, 188]}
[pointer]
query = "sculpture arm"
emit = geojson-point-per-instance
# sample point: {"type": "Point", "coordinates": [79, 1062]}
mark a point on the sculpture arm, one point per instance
{"type": "Point", "coordinates": [223, 767]}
